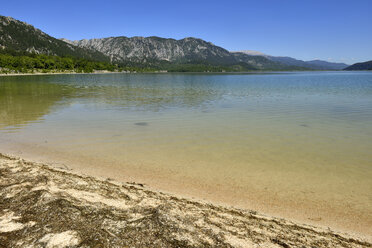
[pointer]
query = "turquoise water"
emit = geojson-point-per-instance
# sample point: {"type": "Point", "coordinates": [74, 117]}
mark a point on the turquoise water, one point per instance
{"type": "Point", "coordinates": [302, 139]}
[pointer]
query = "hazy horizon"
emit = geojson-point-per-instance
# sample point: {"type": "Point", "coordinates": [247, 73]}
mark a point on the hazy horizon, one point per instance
{"type": "Point", "coordinates": [334, 31]}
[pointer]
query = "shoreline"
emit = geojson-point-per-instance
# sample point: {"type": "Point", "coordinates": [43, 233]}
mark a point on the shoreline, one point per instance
{"type": "Point", "coordinates": [42, 184]}
{"type": "Point", "coordinates": [61, 73]}
{"type": "Point", "coordinates": [160, 72]}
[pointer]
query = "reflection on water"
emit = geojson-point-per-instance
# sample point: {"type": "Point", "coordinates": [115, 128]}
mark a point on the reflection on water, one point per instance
{"type": "Point", "coordinates": [22, 103]}
{"type": "Point", "coordinates": [25, 99]}
{"type": "Point", "coordinates": [298, 137]}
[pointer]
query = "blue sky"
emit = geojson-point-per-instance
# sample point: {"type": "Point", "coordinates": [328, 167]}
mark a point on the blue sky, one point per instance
{"type": "Point", "coordinates": [305, 29]}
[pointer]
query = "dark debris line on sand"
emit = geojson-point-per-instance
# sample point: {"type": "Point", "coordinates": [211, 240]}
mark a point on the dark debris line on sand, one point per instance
{"type": "Point", "coordinates": [45, 207]}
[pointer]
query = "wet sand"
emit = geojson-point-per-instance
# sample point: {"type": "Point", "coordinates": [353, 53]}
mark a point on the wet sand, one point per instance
{"type": "Point", "coordinates": [47, 206]}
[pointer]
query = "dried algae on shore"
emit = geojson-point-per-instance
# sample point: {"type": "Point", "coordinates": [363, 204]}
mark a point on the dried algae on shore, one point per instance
{"type": "Point", "coordinates": [43, 206]}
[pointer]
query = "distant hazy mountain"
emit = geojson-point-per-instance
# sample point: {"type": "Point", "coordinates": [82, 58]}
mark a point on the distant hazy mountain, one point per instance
{"type": "Point", "coordinates": [313, 64]}
{"type": "Point", "coordinates": [20, 36]}
{"type": "Point", "coordinates": [360, 66]}
{"type": "Point", "coordinates": [291, 61]}
{"type": "Point", "coordinates": [253, 53]}
{"type": "Point", "coordinates": [325, 65]}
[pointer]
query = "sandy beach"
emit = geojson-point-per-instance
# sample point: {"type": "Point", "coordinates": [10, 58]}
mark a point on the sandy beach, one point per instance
{"type": "Point", "coordinates": [47, 206]}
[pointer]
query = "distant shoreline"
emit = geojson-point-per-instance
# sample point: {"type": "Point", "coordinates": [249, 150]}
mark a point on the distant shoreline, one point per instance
{"type": "Point", "coordinates": [159, 72]}
{"type": "Point", "coordinates": [59, 73]}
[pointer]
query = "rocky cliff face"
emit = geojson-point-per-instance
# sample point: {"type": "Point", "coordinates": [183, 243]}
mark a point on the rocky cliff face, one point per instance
{"type": "Point", "coordinates": [142, 49]}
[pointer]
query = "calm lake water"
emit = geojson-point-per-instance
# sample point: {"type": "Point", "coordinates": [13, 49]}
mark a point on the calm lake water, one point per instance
{"type": "Point", "coordinates": [292, 144]}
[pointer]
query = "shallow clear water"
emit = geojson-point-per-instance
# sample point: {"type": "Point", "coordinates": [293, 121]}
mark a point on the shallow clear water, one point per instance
{"type": "Point", "coordinates": [266, 141]}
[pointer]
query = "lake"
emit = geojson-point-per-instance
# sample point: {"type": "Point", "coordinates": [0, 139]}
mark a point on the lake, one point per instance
{"type": "Point", "coordinates": [296, 145]}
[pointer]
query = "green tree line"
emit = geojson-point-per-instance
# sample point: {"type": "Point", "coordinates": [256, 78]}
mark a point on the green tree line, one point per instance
{"type": "Point", "coordinates": [44, 63]}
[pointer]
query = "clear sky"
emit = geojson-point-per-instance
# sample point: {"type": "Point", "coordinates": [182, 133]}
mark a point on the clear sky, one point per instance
{"type": "Point", "coordinates": [333, 30]}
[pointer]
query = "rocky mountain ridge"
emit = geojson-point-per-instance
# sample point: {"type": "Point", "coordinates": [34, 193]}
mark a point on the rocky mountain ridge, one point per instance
{"type": "Point", "coordinates": [153, 48]}
{"type": "Point", "coordinates": [189, 50]}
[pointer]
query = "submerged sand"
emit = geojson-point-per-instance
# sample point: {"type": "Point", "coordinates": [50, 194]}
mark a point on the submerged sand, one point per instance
{"type": "Point", "coordinates": [42, 206]}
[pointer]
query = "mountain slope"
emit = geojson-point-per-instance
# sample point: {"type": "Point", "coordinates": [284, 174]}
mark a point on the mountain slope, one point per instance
{"type": "Point", "coordinates": [360, 66]}
{"type": "Point", "coordinates": [20, 36]}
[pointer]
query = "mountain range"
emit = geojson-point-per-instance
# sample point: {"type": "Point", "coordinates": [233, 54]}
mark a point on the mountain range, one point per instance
{"type": "Point", "coordinates": [164, 51]}
{"type": "Point", "coordinates": [154, 52]}
{"type": "Point", "coordinates": [312, 64]}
